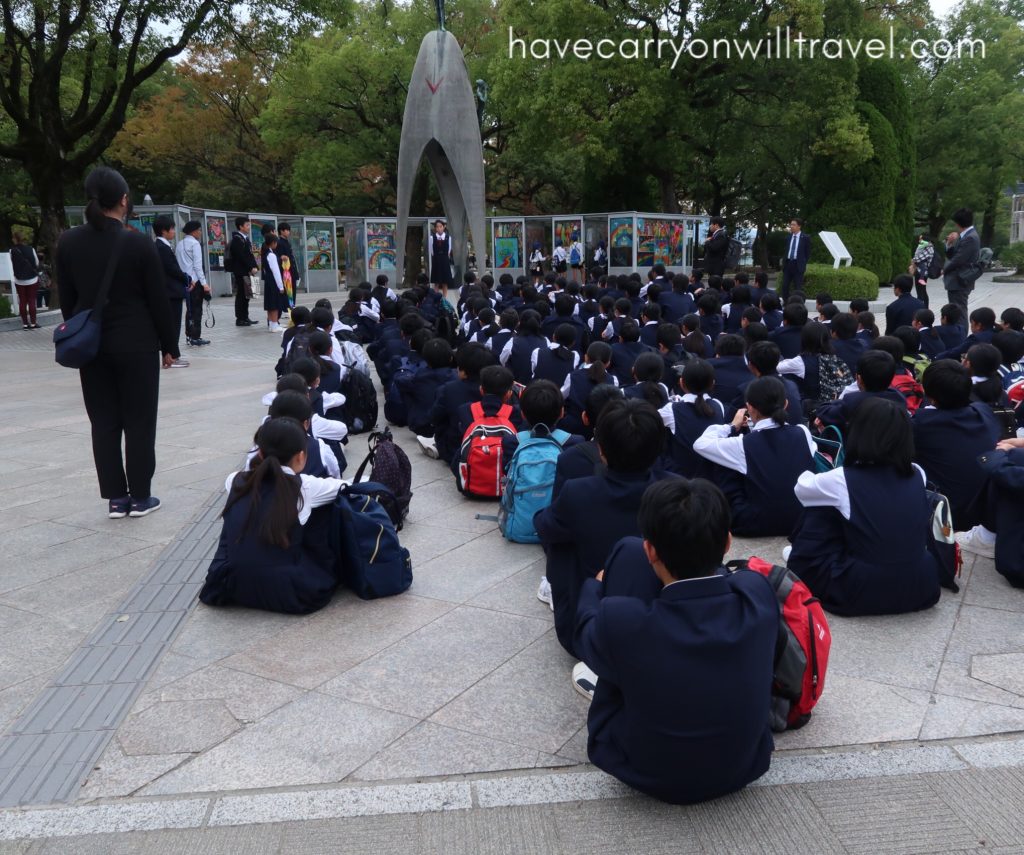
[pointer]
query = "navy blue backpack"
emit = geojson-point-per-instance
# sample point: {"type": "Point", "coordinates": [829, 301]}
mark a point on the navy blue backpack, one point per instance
{"type": "Point", "coordinates": [372, 561]}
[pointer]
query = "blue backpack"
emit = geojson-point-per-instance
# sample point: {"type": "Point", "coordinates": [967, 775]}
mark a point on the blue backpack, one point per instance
{"type": "Point", "coordinates": [574, 255]}
{"type": "Point", "coordinates": [394, 407]}
{"type": "Point", "coordinates": [372, 561]}
{"type": "Point", "coordinates": [528, 485]}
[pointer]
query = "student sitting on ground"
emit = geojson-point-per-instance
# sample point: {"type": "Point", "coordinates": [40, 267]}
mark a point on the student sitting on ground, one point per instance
{"type": "Point", "coordinates": [731, 371]}
{"type": "Point", "coordinates": [787, 336]}
{"type": "Point", "coordinates": [647, 373]}
{"type": "Point", "coordinates": [763, 361]}
{"type": "Point", "coordinates": [321, 348]}
{"type": "Point", "coordinates": [705, 627]}
{"type": "Point", "coordinates": [695, 341]}
{"type": "Point", "coordinates": [950, 433]}
{"type": "Point", "coordinates": [855, 554]}
{"type": "Point", "coordinates": [321, 461]}
{"type": "Point", "coordinates": [591, 514]}
{"type": "Point", "coordinates": [931, 342]}
{"type": "Point", "coordinates": [444, 414]}
{"type": "Point", "coordinates": [875, 372]}
{"type": "Point", "coordinates": [983, 323]}
{"type": "Point", "coordinates": [419, 390]}
{"type": "Point", "coordinates": [757, 469]}
{"type": "Point", "coordinates": [584, 458]}
{"type": "Point", "coordinates": [688, 418]}
{"type": "Point", "coordinates": [557, 360]}
{"type": "Point", "coordinates": [273, 552]}
{"type": "Point", "coordinates": [580, 383]}
{"type": "Point", "coordinates": [820, 375]}
{"type": "Point", "coordinates": [517, 355]}
{"type": "Point", "coordinates": [625, 352]}
{"type": "Point", "coordinates": [848, 347]}
{"type": "Point", "coordinates": [495, 394]}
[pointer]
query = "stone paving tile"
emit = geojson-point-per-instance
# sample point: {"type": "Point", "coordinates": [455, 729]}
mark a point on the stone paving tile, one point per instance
{"type": "Point", "coordinates": [429, 750]}
{"type": "Point", "coordinates": [314, 650]}
{"type": "Point", "coordinates": [315, 739]}
{"type": "Point", "coordinates": [406, 678]}
{"type": "Point", "coordinates": [117, 774]}
{"type": "Point", "coordinates": [177, 727]}
{"type": "Point", "coordinates": [529, 700]}
{"type": "Point", "coordinates": [517, 594]}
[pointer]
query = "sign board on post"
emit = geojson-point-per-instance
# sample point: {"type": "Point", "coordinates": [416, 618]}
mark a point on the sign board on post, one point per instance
{"type": "Point", "coordinates": [835, 245]}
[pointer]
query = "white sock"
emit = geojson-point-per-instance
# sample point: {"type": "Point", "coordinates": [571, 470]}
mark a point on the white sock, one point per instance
{"type": "Point", "coordinates": [984, 535]}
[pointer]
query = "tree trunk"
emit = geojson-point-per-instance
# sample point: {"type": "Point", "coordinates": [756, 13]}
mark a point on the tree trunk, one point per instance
{"type": "Point", "coordinates": [53, 220]}
{"type": "Point", "coordinates": [988, 220]}
{"type": "Point", "coordinates": [667, 190]}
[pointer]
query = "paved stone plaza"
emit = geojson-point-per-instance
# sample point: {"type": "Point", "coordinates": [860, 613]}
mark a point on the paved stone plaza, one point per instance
{"type": "Point", "coordinates": [442, 720]}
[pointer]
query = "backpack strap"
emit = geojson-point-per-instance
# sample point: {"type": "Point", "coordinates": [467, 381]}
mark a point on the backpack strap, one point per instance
{"type": "Point", "coordinates": [477, 411]}
{"type": "Point", "coordinates": [504, 412]}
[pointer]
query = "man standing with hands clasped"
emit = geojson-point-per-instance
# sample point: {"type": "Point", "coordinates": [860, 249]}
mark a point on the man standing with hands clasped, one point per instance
{"type": "Point", "coordinates": [962, 269]}
{"type": "Point", "coordinates": [190, 259]}
{"type": "Point", "coordinates": [241, 264]}
{"type": "Point", "coordinates": [798, 250]}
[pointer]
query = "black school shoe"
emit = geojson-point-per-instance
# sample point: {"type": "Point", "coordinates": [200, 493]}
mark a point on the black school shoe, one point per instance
{"type": "Point", "coordinates": [141, 507]}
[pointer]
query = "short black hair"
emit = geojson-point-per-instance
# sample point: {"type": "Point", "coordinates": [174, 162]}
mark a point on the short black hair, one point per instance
{"type": "Point", "coordinates": [823, 298]}
{"type": "Point", "coordinates": [844, 325]}
{"type": "Point", "coordinates": [163, 224]}
{"type": "Point", "coordinates": [952, 313]}
{"type": "Point", "coordinates": [630, 434]}
{"type": "Point", "coordinates": [542, 404]}
{"type": "Point", "coordinates": [925, 317]}
{"type": "Point", "coordinates": [984, 316]}
{"type": "Point", "coordinates": [283, 227]}
{"type": "Point", "coordinates": [890, 344]}
{"type": "Point", "coordinates": [473, 358]}
{"type": "Point", "coordinates": [910, 338]}
{"type": "Point", "coordinates": [717, 221]}
{"type": "Point", "coordinates": [321, 318]}
{"type": "Point", "coordinates": [600, 396]}
{"type": "Point", "coordinates": [947, 384]}
{"type": "Point", "coordinates": [308, 368]}
{"type": "Point", "coordinates": [496, 380]}
{"type": "Point", "coordinates": [241, 221]}
{"type": "Point", "coordinates": [876, 368]}
{"type": "Point", "coordinates": [629, 331]}
{"type": "Point", "coordinates": [292, 405]}
{"type": "Point", "coordinates": [751, 315]}
{"type": "Point", "coordinates": [765, 357]}
{"type": "Point", "coordinates": [730, 344]}
{"type": "Point", "coordinates": [294, 382]}
{"type": "Point", "coordinates": [904, 283]}
{"type": "Point", "coordinates": [816, 338]}
{"type": "Point", "coordinates": [437, 353]}
{"type": "Point", "coordinates": [687, 523]}
{"type": "Point", "coordinates": [755, 332]}
{"type": "Point", "coordinates": [880, 434]}
{"type": "Point", "coordinates": [1013, 318]}
{"type": "Point", "coordinates": [669, 336]}
{"type": "Point", "coordinates": [794, 314]}
{"type": "Point", "coordinates": [963, 217]}
{"type": "Point", "coordinates": [830, 310]}
{"type": "Point", "coordinates": [1010, 345]}
{"type": "Point", "coordinates": [196, 226]}
{"type": "Point", "coordinates": [859, 304]}
{"type": "Point", "coordinates": [648, 367]}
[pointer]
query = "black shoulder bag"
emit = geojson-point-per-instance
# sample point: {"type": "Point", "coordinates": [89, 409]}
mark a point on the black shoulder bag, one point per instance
{"type": "Point", "coordinates": [77, 340]}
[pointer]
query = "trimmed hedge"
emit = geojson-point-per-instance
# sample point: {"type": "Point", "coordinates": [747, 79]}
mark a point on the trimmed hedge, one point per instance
{"type": "Point", "coordinates": [5, 307]}
{"type": "Point", "coordinates": [843, 283]}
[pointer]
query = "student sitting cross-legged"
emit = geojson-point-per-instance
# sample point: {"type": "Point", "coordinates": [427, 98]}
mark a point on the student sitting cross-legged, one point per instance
{"type": "Point", "coordinates": [274, 551]}
{"type": "Point", "coordinates": [684, 657]}
{"type": "Point", "coordinates": [757, 469]}
{"type": "Point", "coordinates": [590, 515]}
{"type": "Point", "coordinates": [855, 554]}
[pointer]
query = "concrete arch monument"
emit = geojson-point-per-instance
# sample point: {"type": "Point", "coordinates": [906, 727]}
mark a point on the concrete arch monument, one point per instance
{"type": "Point", "coordinates": [441, 124]}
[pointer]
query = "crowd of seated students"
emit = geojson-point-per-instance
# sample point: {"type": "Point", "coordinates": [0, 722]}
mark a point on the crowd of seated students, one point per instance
{"type": "Point", "coordinates": [694, 408]}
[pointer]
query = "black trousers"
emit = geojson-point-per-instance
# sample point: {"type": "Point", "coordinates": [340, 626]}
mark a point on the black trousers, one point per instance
{"type": "Point", "coordinates": [242, 294]}
{"type": "Point", "coordinates": [121, 391]}
{"type": "Point", "coordinates": [194, 325]}
{"type": "Point", "coordinates": [791, 276]}
{"type": "Point", "coordinates": [176, 308]}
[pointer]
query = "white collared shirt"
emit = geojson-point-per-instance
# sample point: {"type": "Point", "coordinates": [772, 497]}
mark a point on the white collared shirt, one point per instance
{"type": "Point", "coordinates": [315, 492]}
{"type": "Point", "coordinates": [716, 444]}
{"type": "Point", "coordinates": [190, 259]}
{"type": "Point", "coordinates": [551, 346]}
{"type": "Point", "coordinates": [830, 490]}
{"type": "Point", "coordinates": [668, 415]}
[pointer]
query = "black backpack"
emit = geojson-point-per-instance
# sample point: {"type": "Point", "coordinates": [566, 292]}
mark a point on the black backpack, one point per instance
{"type": "Point", "coordinates": [732, 254]}
{"type": "Point", "coordinates": [359, 412]}
{"type": "Point", "coordinates": [391, 470]}
{"type": "Point", "coordinates": [935, 266]}
{"type": "Point", "coordinates": [299, 348]}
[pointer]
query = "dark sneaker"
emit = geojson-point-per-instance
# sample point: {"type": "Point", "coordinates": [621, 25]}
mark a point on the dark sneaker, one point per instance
{"type": "Point", "coordinates": [119, 508]}
{"type": "Point", "coordinates": [141, 507]}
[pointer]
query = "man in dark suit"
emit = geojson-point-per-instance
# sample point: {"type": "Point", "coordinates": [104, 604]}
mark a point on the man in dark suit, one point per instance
{"type": "Point", "coordinates": [175, 279]}
{"type": "Point", "coordinates": [900, 312]}
{"type": "Point", "coordinates": [962, 269]}
{"type": "Point", "coordinates": [716, 246]}
{"type": "Point", "coordinates": [241, 264]}
{"type": "Point", "coordinates": [794, 263]}
{"type": "Point", "coordinates": [662, 619]}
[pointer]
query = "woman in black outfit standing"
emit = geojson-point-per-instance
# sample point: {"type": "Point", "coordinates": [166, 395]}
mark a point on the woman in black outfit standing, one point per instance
{"type": "Point", "coordinates": [121, 385]}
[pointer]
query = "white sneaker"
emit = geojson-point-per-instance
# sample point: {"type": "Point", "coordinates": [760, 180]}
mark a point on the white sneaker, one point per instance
{"type": "Point", "coordinates": [786, 552]}
{"type": "Point", "coordinates": [274, 327]}
{"type": "Point", "coordinates": [427, 446]}
{"type": "Point", "coordinates": [180, 363]}
{"type": "Point", "coordinates": [974, 541]}
{"type": "Point", "coordinates": [584, 680]}
{"type": "Point", "coordinates": [544, 593]}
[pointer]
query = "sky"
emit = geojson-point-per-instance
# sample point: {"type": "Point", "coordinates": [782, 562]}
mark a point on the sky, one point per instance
{"type": "Point", "coordinates": [941, 8]}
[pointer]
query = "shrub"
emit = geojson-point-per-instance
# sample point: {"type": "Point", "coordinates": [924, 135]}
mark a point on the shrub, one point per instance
{"type": "Point", "coordinates": [1013, 256]}
{"type": "Point", "coordinates": [843, 283]}
{"type": "Point", "coordinates": [5, 307]}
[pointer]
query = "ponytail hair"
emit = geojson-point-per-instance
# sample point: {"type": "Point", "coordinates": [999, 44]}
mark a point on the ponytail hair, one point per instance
{"type": "Point", "coordinates": [599, 355]}
{"type": "Point", "coordinates": [104, 189]}
{"type": "Point", "coordinates": [278, 441]}
{"type": "Point", "coordinates": [699, 379]}
{"type": "Point", "coordinates": [767, 395]}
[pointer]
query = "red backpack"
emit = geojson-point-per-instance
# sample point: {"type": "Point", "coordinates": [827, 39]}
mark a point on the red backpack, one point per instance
{"type": "Point", "coordinates": [801, 653]}
{"type": "Point", "coordinates": [482, 455]}
{"type": "Point", "coordinates": [908, 386]}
